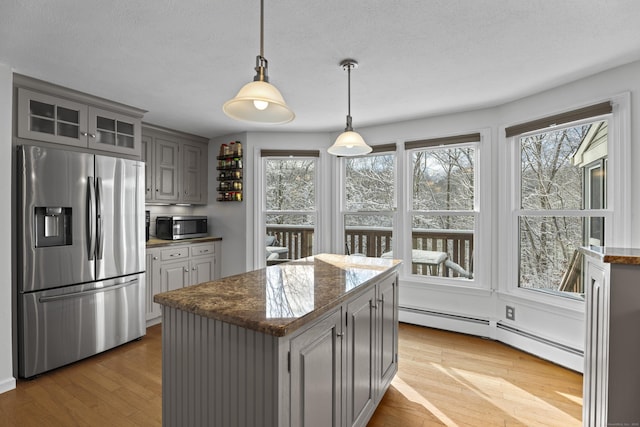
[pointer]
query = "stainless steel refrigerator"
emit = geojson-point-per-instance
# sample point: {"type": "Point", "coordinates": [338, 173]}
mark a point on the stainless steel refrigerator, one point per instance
{"type": "Point", "coordinates": [81, 263]}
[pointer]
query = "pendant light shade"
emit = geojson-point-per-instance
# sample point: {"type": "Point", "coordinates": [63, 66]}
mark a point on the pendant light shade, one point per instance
{"type": "Point", "coordinates": [349, 142]}
{"type": "Point", "coordinates": [259, 101]}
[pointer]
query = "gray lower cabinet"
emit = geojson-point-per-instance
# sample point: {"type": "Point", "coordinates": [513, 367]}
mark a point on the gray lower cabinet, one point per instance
{"type": "Point", "coordinates": [177, 266]}
{"type": "Point", "coordinates": [360, 341]}
{"type": "Point", "coordinates": [174, 275]}
{"type": "Point", "coordinates": [372, 339]}
{"type": "Point", "coordinates": [387, 362]}
{"type": "Point", "coordinates": [153, 286]}
{"type": "Point", "coordinates": [316, 377]}
{"type": "Point", "coordinates": [612, 345]}
{"type": "Point", "coordinates": [332, 371]}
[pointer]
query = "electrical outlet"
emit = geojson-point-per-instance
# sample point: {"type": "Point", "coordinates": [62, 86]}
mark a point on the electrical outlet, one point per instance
{"type": "Point", "coordinates": [511, 313]}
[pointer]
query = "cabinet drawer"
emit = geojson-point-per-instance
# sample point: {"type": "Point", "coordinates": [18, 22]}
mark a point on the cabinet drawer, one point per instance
{"type": "Point", "coordinates": [175, 253]}
{"type": "Point", "coordinates": [203, 249]}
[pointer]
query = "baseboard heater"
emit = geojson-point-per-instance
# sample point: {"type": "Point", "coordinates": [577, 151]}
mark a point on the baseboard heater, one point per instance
{"type": "Point", "coordinates": [545, 341]}
{"type": "Point", "coordinates": [499, 325]}
{"type": "Point", "coordinates": [446, 315]}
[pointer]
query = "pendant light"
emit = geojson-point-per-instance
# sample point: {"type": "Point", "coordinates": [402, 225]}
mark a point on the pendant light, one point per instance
{"type": "Point", "coordinates": [259, 101]}
{"type": "Point", "coordinates": [349, 142]}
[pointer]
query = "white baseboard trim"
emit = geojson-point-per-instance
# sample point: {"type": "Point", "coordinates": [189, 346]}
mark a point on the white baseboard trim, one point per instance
{"type": "Point", "coordinates": [155, 321]}
{"type": "Point", "coordinates": [449, 322]}
{"type": "Point", "coordinates": [7, 384]}
{"type": "Point", "coordinates": [557, 353]}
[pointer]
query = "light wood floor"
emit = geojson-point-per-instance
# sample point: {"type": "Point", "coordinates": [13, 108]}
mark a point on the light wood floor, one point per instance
{"type": "Point", "coordinates": [444, 379]}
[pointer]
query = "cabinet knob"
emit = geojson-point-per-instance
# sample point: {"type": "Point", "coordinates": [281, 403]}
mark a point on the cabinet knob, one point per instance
{"type": "Point", "coordinates": [340, 335]}
{"type": "Point", "coordinates": [84, 133]}
{"type": "Point", "coordinates": [155, 258]}
{"type": "Point", "coordinates": [186, 269]}
{"type": "Point", "coordinates": [374, 306]}
{"type": "Point", "coordinates": [194, 269]}
{"type": "Point", "coordinates": [92, 135]}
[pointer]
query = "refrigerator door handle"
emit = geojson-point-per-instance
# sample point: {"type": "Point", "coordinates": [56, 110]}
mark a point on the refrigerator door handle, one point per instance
{"type": "Point", "coordinates": [99, 225]}
{"type": "Point", "coordinates": [91, 212]}
{"type": "Point", "coordinates": [89, 292]}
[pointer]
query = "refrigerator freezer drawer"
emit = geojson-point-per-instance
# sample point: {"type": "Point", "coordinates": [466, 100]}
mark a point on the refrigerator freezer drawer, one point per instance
{"type": "Point", "coordinates": [64, 325]}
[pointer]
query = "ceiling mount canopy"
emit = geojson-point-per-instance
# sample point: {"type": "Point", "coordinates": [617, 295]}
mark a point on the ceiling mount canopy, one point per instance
{"type": "Point", "coordinates": [259, 101]}
{"type": "Point", "coordinates": [349, 142]}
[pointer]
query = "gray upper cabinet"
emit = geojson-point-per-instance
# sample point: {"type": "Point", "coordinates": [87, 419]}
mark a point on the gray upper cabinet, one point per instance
{"type": "Point", "coordinates": [113, 132]}
{"type": "Point", "coordinates": [146, 143]}
{"type": "Point", "coordinates": [166, 154]}
{"type": "Point", "coordinates": [47, 118]}
{"type": "Point", "coordinates": [192, 173]}
{"type": "Point", "coordinates": [176, 163]}
{"type": "Point", "coordinates": [66, 117]}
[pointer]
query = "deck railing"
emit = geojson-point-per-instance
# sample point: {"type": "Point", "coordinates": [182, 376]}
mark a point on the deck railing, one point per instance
{"type": "Point", "coordinates": [298, 239]}
{"type": "Point", "coordinates": [375, 241]}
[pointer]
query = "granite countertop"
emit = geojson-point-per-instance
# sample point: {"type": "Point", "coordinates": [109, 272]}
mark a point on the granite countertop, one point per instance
{"type": "Point", "coordinates": [614, 255]}
{"type": "Point", "coordinates": [155, 243]}
{"type": "Point", "coordinates": [279, 299]}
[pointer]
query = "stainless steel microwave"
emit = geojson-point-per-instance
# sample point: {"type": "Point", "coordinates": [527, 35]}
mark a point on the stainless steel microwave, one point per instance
{"type": "Point", "coordinates": [181, 227]}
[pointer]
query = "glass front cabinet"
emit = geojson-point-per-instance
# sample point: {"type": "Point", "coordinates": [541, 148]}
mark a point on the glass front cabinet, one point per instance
{"type": "Point", "coordinates": [59, 120]}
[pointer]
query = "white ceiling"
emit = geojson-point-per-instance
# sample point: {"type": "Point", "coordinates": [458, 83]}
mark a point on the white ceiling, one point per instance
{"type": "Point", "coordinates": [182, 59]}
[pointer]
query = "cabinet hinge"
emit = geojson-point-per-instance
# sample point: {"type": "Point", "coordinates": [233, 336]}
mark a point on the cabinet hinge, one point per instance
{"type": "Point", "coordinates": [289, 361]}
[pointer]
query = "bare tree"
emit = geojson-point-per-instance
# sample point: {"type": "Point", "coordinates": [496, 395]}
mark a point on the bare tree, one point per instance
{"type": "Point", "coordinates": [549, 182]}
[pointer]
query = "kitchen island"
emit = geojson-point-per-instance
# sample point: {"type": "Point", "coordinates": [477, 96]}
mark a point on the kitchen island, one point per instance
{"type": "Point", "coordinates": [612, 345]}
{"type": "Point", "coordinates": [308, 342]}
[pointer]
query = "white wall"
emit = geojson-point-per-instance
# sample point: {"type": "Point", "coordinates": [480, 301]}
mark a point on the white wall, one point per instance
{"type": "Point", "coordinates": [7, 381]}
{"type": "Point", "coordinates": [229, 219]}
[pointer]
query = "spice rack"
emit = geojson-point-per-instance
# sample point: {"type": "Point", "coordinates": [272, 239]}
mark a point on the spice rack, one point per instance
{"type": "Point", "coordinates": [230, 173]}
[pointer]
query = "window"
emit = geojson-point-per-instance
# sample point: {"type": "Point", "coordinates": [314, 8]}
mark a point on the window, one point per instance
{"type": "Point", "coordinates": [562, 202]}
{"type": "Point", "coordinates": [369, 202]}
{"type": "Point", "coordinates": [443, 206]}
{"type": "Point", "coordinates": [290, 204]}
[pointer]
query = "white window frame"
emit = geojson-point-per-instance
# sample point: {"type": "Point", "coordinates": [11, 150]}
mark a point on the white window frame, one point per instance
{"type": "Point", "coordinates": [262, 203]}
{"type": "Point", "coordinates": [343, 201]}
{"type": "Point", "coordinates": [480, 212]}
{"type": "Point", "coordinates": [617, 214]}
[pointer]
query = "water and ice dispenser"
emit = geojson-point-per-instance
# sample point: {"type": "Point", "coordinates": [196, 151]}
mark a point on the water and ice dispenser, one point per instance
{"type": "Point", "coordinates": [53, 226]}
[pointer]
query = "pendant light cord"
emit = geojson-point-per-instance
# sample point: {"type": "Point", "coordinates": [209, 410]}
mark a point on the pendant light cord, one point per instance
{"type": "Point", "coordinates": [261, 62]}
{"type": "Point", "coordinates": [349, 127]}
{"type": "Point", "coordinates": [349, 90]}
{"type": "Point", "coordinates": [262, 29]}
